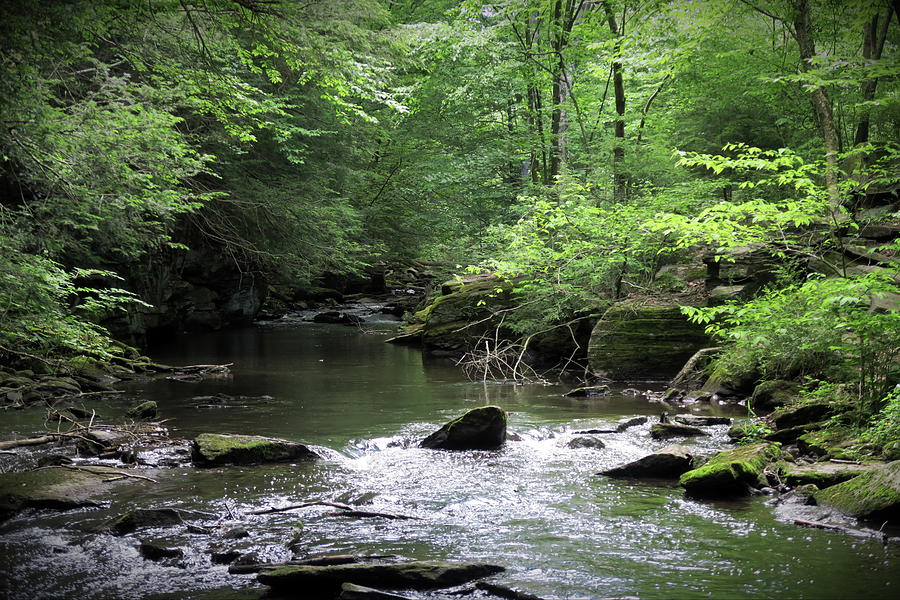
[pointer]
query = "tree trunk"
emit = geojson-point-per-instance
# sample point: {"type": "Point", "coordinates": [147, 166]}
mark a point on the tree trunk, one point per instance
{"type": "Point", "coordinates": [620, 178]}
{"type": "Point", "coordinates": [821, 103]}
{"type": "Point", "coordinates": [873, 45]}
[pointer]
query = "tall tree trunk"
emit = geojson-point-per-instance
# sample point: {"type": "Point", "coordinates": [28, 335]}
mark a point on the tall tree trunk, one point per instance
{"type": "Point", "coordinates": [620, 178]}
{"type": "Point", "coordinates": [873, 45]}
{"type": "Point", "coordinates": [559, 90]}
{"type": "Point", "coordinates": [821, 103]}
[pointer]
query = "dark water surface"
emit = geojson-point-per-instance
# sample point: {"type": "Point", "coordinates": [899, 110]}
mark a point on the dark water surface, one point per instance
{"type": "Point", "coordinates": [535, 507]}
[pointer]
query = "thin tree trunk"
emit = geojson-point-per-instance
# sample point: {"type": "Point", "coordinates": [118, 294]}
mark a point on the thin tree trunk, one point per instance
{"type": "Point", "coordinates": [620, 178]}
{"type": "Point", "coordinates": [821, 103]}
{"type": "Point", "coordinates": [873, 45]}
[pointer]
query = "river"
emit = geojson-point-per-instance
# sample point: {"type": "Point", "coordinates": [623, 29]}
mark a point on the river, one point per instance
{"type": "Point", "coordinates": [535, 507]}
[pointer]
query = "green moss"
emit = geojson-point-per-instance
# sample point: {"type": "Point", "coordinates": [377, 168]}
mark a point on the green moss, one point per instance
{"type": "Point", "coordinates": [875, 494]}
{"type": "Point", "coordinates": [732, 471]}
{"type": "Point", "coordinates": [216, 449]}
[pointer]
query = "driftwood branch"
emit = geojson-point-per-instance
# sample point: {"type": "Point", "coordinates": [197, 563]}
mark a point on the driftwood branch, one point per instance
{"type": "Point", "coordinates": [345, 510]}
{"type": "Point", "coordinates": [35, 441]}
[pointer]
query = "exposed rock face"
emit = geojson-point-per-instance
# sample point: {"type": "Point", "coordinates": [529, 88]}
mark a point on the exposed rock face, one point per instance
{"type": "Point", "coordinates": [213, 449]}
{"type": "Point", "coordinates": [770, 395]}
{"type": "Point", "coordinates": [633, 341]}
{"type": "Point", "coordinates": [479, 429]}
{"type": "Point", "coordinates": [662, 431]}
{"type": "Point", "coordinates": [668, 463]}
{"type": "Point", "coordinates": [802, 414]}
{"type": "Point", "coordinates": [731, 473]}
{"type": "Point", "coordinates": [872, 495]}
{"type": "Point", "coordinates": [419, 575]}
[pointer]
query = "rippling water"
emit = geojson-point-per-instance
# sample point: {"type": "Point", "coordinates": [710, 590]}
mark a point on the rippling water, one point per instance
{"type": "Point", "coordinates": [535, 507]}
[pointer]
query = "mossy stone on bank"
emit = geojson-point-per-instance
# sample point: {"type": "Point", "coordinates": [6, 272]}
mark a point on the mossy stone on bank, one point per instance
{"type": "Point", "coordinates": [731, 473]}
{"type": "Point", "coordinates": [633, 341]}
{"type": "Point", "coordinates": [872, 495]}
{"type": "Point", "coordinates": [214, 449]}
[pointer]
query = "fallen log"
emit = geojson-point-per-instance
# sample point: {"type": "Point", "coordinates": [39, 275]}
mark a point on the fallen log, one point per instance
{"type": "Point", "coordinates": [346, 511]}
{"type": "Point", "coordinates": [369, 513]}
{"type": "Point", "coordinates": [35, 441]}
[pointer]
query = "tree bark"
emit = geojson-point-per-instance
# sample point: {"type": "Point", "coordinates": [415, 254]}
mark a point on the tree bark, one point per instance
{"type": "Point", "coordinates": [873, 45]}
{"type": "Point", "coordinates": [802, 32]}
{"type": "Point", "coordinates": [620, 178]}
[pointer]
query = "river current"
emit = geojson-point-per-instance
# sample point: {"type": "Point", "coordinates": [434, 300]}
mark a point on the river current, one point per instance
{"type": "Point", "coordinates": [535, 507]}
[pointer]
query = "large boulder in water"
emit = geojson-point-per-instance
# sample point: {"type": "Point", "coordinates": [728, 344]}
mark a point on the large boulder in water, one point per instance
{"type": "Point", "coordinates": [663, 431]}
{"type": "Point", "coordinates": [872, 495]}
{"type": "Point", "coordinates": [731, 473]}
{"type": "Point", "coordinates": [419, 575]}
{"type": "Point", "coordinates": [479, 429]}
{"type": "Point", "coordinates": [633, 341]}
{"type": "Point", "coordinates": [214, 449]}
{"type": "Point", "coordinates": [668, 463]}
{"type": "Point", "coordinates": [55, 488]}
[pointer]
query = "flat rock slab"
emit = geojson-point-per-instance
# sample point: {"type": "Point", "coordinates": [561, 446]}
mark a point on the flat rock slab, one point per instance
{"type": "Point", "coordinates": [872, 495]}
{"type": "Point", "coordinates": [701, 420]}
{"type": "Point", "coordinates": [662, 431]}
{"type": "Point", "coordinates": [56, 488]}
{"type": "Point", "coordinates": [479, 429]}
{"type": "Point", "coordinates": [668, 463]}
{"type": "Point", "coordinates": [215, 449]}
{"type": "Point", "coordinates": [823, 474]}
{"type": "Point", "coordinates": [418, 575]}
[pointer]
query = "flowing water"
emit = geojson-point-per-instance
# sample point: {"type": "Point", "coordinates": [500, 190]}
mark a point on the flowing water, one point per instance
{"type": "Point", "coordinates": [535, 507]}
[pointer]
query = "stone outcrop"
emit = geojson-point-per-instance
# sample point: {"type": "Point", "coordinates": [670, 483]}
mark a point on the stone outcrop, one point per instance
{"type": "Point", "coordinates": [668, 463]}
{"type": "Point", "coordinates": [632, 341]}
{"type": "Point", "coordinates": [731, 473]}
{"type": "Point", "coordinates": [479, 429]}
{"type": "Point", "coordinates": [418, 575]}
{"type": "Point", "coordinates": [214, 449]}
{"type": "Point", "coordinates": [873, 495]}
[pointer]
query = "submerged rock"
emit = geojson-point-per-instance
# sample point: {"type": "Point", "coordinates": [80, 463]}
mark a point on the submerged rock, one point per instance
{"type": "Point", "coordinates": [872, 495]}
{"type": "Point", "coordinates": [419, 575]}
{"type": "Point", "coordinates": [625, 424]}
{"type": "Point", "coordinates": [154, 551]}
{"type": "Point", "coordinates": [586, 442]}
{"type": "Point", "coordinates": [479, 429]}
{"type": "Point", "coordinates": [55, 488]}
{"type": "Point", "coordinates": [214, 449]}
{"type": "Point", "coordinates": [588, 391]}
{"type": "Point", "coordinates": [668, 463]}
{"type": "Point", "coordinates": [731, 473]}
{"type": "Point", "coordinates": [143, 518]}
{"type": "Point", "coordinates": [662, 431]}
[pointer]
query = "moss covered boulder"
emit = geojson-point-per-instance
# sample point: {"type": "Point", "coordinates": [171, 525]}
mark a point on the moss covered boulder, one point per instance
{"type": "Point", "coordinates": [731, 473]}
{"type": "Point", "coordinates": [872, 495]}
{"type": "Point", "coordinates": [214, 449]}
{"type": "Point", "coordinates": [822, 475]}
{"type": "Point", "coordinates": [419, 575]}
{"type": "Point", "coordinates": [773, 394]}
{"type": "Point", "coordinates": [55, 488]}
{"type": "Point", "coordinates": [633, 342]}
{"type": "Point", "coordinates": [803, 414]}
{"type": "Point", "coordinates": [479, 429]}
{"type": "Point", "coordinates": [144, 410]}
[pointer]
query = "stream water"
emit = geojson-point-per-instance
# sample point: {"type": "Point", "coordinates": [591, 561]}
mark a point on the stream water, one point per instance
{"type": "Point", "coordinates": [535, 507]}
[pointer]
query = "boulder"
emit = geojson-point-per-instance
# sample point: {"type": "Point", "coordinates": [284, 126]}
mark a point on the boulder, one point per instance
{"type": "Point", "coordinates": [662, 431]}
{"type": "Point", "coordinates": [479, 429]}
{"type": "Point", "coordinates": [586, 442]}
{"type": "Point", "coordinates": [418, 575]}
{"type": "Point", "coordinates": [630, 422]}
{"type": "Point", "coordinates": [874, 495]}
{"type": "Point", "coordinates": [214, 449]}
{"type": "Point", "coordinates": [668, 463]}
{"type": "Point", "coordinates": [144, 410]}
{"type": "Point", "coordinates": [143, 518]}
{"type": "Point", "coordinates": [96, 441]}
{"type": "Point", "coordinates": [731, 473]}
{"type": "Point", "coordinates": [773, 394]}
{"type": "Point", "coordinates": [701, 420]}
{"type": "Point", "coordinates": [822, 475]}
{"type": "Point", "coordinates": [789, 435]}
{"type": "Point", "coordinates": [55, 488]}
{"type": "Point", "coordinates": [693, 374]}
{"type": "Point", "coordinates": [633, 341]}
{"type": "Point", "coordinates": [154, 551]}
{"type": "Point", "coordinates": [802, 414]}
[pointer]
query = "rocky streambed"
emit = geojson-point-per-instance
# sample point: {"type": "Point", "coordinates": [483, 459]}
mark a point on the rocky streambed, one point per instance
{"type": "Point", "coordinates": [587, 496]}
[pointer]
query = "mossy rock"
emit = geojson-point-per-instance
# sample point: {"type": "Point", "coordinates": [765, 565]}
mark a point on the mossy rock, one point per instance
{"type": "Point", "coordinates": [822, 475]}
{"type": "Point", "coordinates": [873, 495]}
{"type": "Point", "coordinates": [633, 341]}
{"type": "Point", "coordinates": [55, 488]}
{"type": "Point", "coordinates": [420, 575]}
{"type": "Point", "coordinates": [803, 414]}
{"type": "Point", "coordinates": [479, 429]}
{"type": "Point", "coordinates": [773, 394]}
{"type": "Point", "coordinates": [144, 410]}
{"type": "Point", "coordinates": [214, 449]}
{"type": "Point", "coordinates": [86, 366]}
{"type": "Point", "coordinates": [731, 473]}
{"type": "Point", "coordinates": [664, 431]}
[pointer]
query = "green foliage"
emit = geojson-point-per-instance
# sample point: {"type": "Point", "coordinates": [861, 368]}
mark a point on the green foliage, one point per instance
{"type": "Point", "coordinates": [884, 427]}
